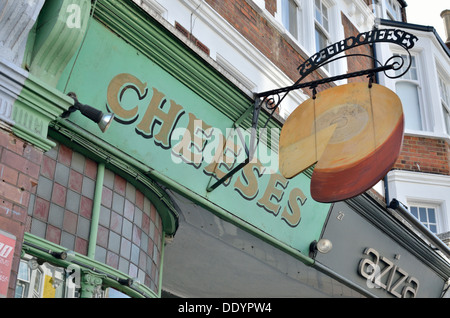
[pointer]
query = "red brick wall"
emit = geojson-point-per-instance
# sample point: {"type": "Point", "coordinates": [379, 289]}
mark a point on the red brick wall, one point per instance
{"type": "Point", "coordinates": [424, 155]}
{"type": "Point", "coordinates": [356, 63]}
{"type": "Point", "coordinates": [271, 6]}
{"type": "Point", "coordinates": [19, 171]}
{"type": "Point", "coordinates": [263, 36]}
{"type": "Point", "coordinates": [267, 39]}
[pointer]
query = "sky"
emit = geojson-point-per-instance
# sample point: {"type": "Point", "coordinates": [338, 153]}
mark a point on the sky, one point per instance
{"type": "Point", "coordinates": [428, 12]}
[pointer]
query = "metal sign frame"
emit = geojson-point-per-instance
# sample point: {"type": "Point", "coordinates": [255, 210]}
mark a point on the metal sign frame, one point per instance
{"type": "Point", "coordinates": [272, 99]}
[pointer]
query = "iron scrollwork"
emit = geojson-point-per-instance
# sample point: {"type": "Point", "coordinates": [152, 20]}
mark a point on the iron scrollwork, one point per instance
{"type": "Point", "coordinates": [327, 55]}
{"type": "Point", "coordinates": [272, 99]}
{"type": "Point", "coordinates": [395, 36]}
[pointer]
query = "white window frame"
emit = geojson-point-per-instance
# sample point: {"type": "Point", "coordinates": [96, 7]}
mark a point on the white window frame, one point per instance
{"type": "Point", "coordinates": [24, 283]}
{"type": "Point", "coordinates": [297, 13]}
{"type": "Point", "coordinates": [319, 25]}
{"type": "Point", "coordinates": [393, 7]}
{"type": "Point", "coordinates": [377, 8]}
{"type": "Point", "coordinates": [384, 9]}
{"type": "Point", "coordinates": [307, 27]}
{"type": "Point", "coordinates": [32, 286]}
{"type": "Point", "coordinates": [444, 93]}
{"type": "Point", "coordinates": [416, 188]}
{"type": "Point", "coordinates": [428, 205]}
{"type": "Point", "coordinates": [423, 113]}
{"type": "Point", "coordinates": [335, 33]}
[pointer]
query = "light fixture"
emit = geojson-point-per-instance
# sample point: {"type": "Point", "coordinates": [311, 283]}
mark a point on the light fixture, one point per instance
{"type": "Point", "coordinates": [130, 282]}
{"type": "Point", "coordinates": [103, 120]}
{"type": "Point", "coordinates": [64, 255]}
{"type": "Point", "coordinates": [322, 246]}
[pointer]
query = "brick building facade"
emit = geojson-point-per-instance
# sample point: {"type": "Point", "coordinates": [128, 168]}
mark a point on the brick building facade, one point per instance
{"type": "Point", "coordinates": [20, 165]}
{"type": "Point", "coordinates": [109, 215]}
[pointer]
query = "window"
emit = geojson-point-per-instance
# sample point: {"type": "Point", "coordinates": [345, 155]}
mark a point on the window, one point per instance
{"type": "Point", "coordinates": [445, 100]}
{"type": "Point", "coordinates": [447, 119]}
{"type": "Point", "coordinates": [314, 24]}
{"type": "Point", "coordinates": [29, 281]}
{"type": "Point", "coordinates": [412, 72]}
{"type": "Point", "coordinates": [393, 10]}
{"type": "Point", "coordinates": [321, 25]}
{"type": "Point", "coordinates": [43, 280]}
{"type": "Point", "coordinates": [408, 93]}
{"type": "Point", "coordinates": [37, 286]}
{"type": "Point", "coordinates": [376, 8]}
{"type": "Point", "coordinates": [23, 280]}
{"type": "Point", "coordinates": [407, 88]}
{"type": "Point", "coordinates": [426, 215]}
{"type": "Point", "coordinates": [290, 16]}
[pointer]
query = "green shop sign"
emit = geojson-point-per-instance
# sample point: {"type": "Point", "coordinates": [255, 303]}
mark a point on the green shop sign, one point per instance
{"type": "Point", "coordinates": [161, 122]}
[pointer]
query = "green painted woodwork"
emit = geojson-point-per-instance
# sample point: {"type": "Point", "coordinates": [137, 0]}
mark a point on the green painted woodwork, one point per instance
{"type": "Point", "coordinates": [156, 43]}
{"type": "Point", "coordinates": [109, 276]}
{"type": "Point", "coordinates": [59, 32]}
{"type": "Point", "coordinates": [36, 106]}
{"type": "Point", "coordinates": [96, 205]}
{"type": "Point", "coordinates": [165, 65]}
{"type": "Point", "coordinates": [54, 40]}
{"type": "Point", "coordinates": [90, 283]}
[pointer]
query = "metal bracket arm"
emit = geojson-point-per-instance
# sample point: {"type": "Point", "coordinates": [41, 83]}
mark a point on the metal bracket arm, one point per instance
{"type": "Point", "coordinates": [272, 99]}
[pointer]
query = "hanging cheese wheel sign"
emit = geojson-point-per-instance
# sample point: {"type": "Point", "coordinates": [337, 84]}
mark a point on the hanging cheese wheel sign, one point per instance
{"type": "Point", "coordinates": [353, 133]}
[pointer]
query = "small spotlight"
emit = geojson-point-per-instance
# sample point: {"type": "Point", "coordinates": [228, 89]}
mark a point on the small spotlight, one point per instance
{"type": "Point", "coordinates": [322, 246]}
{"type": "Point", "coordinates": [129, 282]}
{"type": "Point", "coordinates": [64, 255]}
{"type": "Point", "coordinates": [103, 120]}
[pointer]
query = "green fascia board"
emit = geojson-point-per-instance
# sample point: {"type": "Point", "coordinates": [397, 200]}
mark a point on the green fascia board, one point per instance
{"type": "Point", "coordinates": [156, 43]}
{"type": "Point", "coordinates": [55, 41]}
{"type": "Point", "coordinates": [42, 249]}
{"type": "Point", "coordinates": [148, 36]}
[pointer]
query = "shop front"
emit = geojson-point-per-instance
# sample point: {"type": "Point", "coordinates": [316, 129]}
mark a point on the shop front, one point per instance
{"type": "Point", "coordinates": [136, 210]}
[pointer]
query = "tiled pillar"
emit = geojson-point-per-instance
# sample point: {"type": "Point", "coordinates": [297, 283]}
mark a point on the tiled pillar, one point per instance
{"type": "Point", "coordinates": [62, 205]}
{"type": "Point", "coordinates": [130, 230]}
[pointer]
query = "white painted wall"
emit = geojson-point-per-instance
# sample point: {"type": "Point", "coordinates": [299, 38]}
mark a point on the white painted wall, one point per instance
{"type": "Point", "coordinates": [415, 187]}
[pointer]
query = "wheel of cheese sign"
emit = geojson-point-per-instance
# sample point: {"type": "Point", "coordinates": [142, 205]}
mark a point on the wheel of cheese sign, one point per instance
{"type": "Point", "coordinates": [353, 132]}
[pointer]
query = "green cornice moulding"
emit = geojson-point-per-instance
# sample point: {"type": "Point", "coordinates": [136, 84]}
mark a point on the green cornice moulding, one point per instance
{"type": "Point", "coordinates": [35, 107]}
{"type": "Point", "coordinates": [160, 45]}
{"type": "Point", "coordinates": [60, 30]}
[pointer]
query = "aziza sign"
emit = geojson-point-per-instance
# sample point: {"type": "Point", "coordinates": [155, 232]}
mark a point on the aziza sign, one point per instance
{"type": "Point", "coordinates": [171, 129]}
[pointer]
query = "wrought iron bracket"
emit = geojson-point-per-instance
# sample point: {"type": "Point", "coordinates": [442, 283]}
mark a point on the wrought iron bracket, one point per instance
{"type": "Point", "coordinates": [272, 99]}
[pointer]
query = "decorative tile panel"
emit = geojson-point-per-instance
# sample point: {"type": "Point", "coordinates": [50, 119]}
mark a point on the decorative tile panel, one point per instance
{"type": "Point", "coordinates": [125, 235]}
{"type": "Point", "coordinates": [129, 236]}
{"type": "Point", "coordinates": [62, 208]}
